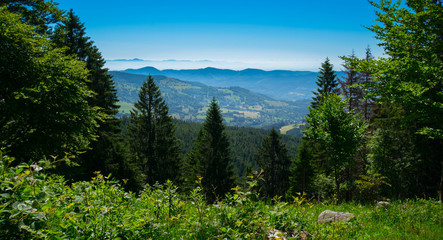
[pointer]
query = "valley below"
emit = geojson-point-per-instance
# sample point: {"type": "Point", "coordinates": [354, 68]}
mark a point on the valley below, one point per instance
{"type": "Point", "coordinates": [246, 98]}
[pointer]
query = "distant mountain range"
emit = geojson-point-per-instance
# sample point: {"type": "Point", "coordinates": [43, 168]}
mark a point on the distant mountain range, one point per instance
{"type": "Point", "coordinates": [277, 84]}
{"type": "Point", "coordinates": [190, 100]}
{"type": "Point", "coordinates": [122, 64]}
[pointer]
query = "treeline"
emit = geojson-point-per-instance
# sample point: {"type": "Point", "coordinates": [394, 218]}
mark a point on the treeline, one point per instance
{"type": "Point", "coordinates": [376, 132]}
{"type": "Point", "coordinates": [244, 142]}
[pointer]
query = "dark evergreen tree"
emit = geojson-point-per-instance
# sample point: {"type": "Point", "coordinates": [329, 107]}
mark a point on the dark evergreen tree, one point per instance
{"type": "Point", "coordinates": [348, 89]}
{"type": "Point", "coordinates": [302, 173]}
{"type": "Point", "coordinates": [152, 136]}
{"type": "Point", "coordinates": [244, 143]}
{"type": "Point", "coordinates": [326, 82]}
{"type": "Point", "coordinates": [393, 153]}
{"type": "Point", "coordinates": [273, 159]}
{"type": "Point", "coordinates": [358, 102]}
{"type": "Point", "coordinates": [192, 168]}
{"type": "Point", "coordinates": [211, 154]}
{"type": "Point", "coordinates": [71, 33]}
{"type": "Point", "coordinates": [106, 154]}
{"type": "Point", "coordinates": [369, 103]}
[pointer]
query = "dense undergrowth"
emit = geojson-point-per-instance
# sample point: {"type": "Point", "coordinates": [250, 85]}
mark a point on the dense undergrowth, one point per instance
{"type": "Point", "coordinates": [35, 205]}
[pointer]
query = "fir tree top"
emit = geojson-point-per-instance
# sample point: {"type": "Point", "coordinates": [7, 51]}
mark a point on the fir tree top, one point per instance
{"type": "Point", "coordinates": [326, 82]}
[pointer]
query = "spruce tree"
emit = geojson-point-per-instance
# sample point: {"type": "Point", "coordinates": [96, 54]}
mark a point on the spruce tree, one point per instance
{"type": "Point", "coordinates": [191, 167]}
{"type": "Point", "coordinates": [152, 136]}
{"type": "Point", "coordinates": [327, 85]}
{"type": "Point", "coordinates": [302, 173]}
{"type": "Point", "coordinates": [348, 89]}
{"type": "Point", "coordinates": [326, 82]}
{"type": "Point", "coordinates": [212, 156]}
{"type": "Point", "coordinates": [273, 159]}
{"type": "Point", "coordinates": [106, 153]}
{"type": "Point", "coordinates": [369, 103]}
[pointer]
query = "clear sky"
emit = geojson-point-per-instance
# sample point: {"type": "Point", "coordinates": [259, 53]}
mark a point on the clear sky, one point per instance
{"type": "Point", "coordinates": [268, 34]}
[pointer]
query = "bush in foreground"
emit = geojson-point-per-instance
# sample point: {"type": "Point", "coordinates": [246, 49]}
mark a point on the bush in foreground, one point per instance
{"type": "Point", "coordinates": [36, 205]}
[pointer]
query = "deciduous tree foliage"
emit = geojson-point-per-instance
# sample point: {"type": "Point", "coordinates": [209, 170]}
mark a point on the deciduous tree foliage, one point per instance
{"type": "Point", "coordinates": [41, 14]}
{"type": "Point", "coordinates": [413, 74]}
{"type": "Point", "coordinates": [339, 132]}
{"type": "Point", "coordinates": [411, 78]}
{"type": "Point", "coordinates": [43, 99]}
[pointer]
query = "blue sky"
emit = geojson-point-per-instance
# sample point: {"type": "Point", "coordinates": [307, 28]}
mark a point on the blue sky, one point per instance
{"type": "Point", "coordinates": [267, 34]}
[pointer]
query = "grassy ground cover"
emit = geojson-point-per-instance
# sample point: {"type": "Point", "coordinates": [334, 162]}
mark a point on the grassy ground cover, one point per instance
{"type": "Point", "coordinates": [36, 205]}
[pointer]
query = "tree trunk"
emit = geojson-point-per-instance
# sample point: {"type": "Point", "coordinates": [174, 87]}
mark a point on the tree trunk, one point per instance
{"type": "Point", "coordinates": [337, 184]}
{"type": "Point", "coordinates": [440, 194]}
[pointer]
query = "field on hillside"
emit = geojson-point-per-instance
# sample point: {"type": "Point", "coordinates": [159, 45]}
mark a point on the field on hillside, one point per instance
{"type": "Point", "coordinates": [190, 100]}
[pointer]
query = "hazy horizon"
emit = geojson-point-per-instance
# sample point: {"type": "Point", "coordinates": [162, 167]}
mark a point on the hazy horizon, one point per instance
{"type": "Point", "coordinates": [269, 35]}
{"type": "Point", "coordinates": [181, 64]}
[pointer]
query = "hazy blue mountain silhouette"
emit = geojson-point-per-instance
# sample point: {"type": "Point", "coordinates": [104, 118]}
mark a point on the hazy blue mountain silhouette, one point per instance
{"type": "Point", "coordinates": [278, 84]}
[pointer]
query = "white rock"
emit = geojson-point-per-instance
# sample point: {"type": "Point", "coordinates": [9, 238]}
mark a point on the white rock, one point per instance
{"type": "Point", "coordinates": [383, 204]}
{"type": "Point", "coordinates": [331, 216]}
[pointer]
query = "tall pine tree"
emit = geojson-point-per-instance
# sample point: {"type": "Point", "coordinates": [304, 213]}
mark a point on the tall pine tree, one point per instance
{"type": "Point", "coordinates": [152, 136]}
{"type": "Point", "coordinates": [302, 173]}
{"type": "Point", "coordinates": [327, 85]}
{"type": "Point", "coordinates": [273, 158]}
{"type": "Point", "coordinates": [369, 103]}
{"type": "Point", "coordinates": [348, 89]}
{"type": "Point", "coordinates": [212, 157]}
{"type": "Point", "coordinates": [326, 82]}
{"type": "Point", "coordinates": [106, 154]}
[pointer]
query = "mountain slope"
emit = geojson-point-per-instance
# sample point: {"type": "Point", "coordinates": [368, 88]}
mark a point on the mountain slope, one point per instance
{"type": "Point", "coordinates": [278, 84]}
{"type": "Point", "coordinates": [189, 101]}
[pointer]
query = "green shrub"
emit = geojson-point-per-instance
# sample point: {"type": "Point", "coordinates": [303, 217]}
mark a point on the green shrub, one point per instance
{"type": "Point", "coordinates": [35, 205]}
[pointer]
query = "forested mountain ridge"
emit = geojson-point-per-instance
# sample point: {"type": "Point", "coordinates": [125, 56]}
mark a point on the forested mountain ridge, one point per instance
{"type": "Point", "coordinates": [189, 101]}
{"type": "Point", "coordinates": [278, 84]}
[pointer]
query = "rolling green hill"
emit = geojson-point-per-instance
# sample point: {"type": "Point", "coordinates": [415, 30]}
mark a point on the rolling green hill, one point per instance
{"type": "Point", "coordinates": [189, 101]}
